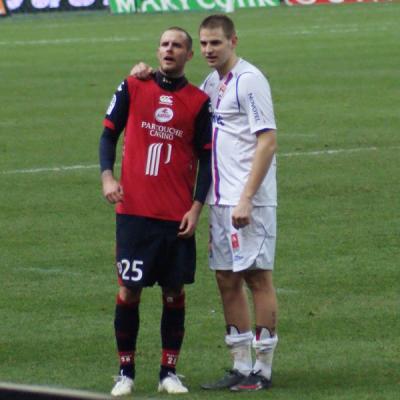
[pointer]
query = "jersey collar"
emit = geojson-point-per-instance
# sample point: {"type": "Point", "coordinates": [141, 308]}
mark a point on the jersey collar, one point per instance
{"type": "Point", "coordinates": [170, 84]}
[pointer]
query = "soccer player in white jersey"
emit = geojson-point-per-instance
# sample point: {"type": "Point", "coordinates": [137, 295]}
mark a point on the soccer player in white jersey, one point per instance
{"type": "Point", "coordinates": [243, 202]}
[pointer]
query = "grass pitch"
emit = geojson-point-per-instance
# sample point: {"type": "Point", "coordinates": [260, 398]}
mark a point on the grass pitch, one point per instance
{"type": "Point", "coordinates": [334, 72]}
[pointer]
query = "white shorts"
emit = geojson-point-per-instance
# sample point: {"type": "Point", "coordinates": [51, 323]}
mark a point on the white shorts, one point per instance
{"type": "Point", "coordinates": [238, 249]}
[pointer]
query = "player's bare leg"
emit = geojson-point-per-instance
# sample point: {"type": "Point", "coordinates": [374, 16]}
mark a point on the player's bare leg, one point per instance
{"type": "Point", "coordinates": [172, 333]}
{"type": "Point", "coordinates": [234, 300]}
{"type": "Point", "coordinates": [238, 336]}
{"type": "Point", "coordinates": [264, 298]}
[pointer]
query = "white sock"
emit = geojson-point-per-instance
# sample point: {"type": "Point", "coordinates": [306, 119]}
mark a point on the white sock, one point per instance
{"type": "Point", "coordinates": [240, 348]}
{"type": "Point", "coordinates": [264, 345]}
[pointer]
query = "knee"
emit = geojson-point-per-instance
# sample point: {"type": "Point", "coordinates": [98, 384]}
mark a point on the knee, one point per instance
{"type": "Point", "coordinates": [229, 281]}
{"type": "Point", "coordinates": [129, 296]}
{"type": "Point", "coordinates": [173, 298]}
{"type": "Point", "coordinates": [260, 281]}
{"type": "Point", "coordinates": [173, 292]}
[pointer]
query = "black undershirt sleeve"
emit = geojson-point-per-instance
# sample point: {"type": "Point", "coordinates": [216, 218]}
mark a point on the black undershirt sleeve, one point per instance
{"type": "Point", "coordinates": [108, 149]}
{"type": "Point", "coordinates": [116, 117]}
{"type": "Point", "coordinates": [202, 142]}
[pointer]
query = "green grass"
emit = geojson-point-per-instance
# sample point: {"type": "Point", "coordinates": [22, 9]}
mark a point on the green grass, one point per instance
{"type": "Point", "coordinates": [334, 71]}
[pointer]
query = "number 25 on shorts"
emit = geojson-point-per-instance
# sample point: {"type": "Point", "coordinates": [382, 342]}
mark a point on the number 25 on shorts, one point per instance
{"type": "Point", "coordinates": [130, 271]}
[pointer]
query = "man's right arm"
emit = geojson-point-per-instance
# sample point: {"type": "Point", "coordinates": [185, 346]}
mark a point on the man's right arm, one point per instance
{"type": "Point", "coordinates": [112, 190]}
{"type": "Point", "coordinates": [114, 123]}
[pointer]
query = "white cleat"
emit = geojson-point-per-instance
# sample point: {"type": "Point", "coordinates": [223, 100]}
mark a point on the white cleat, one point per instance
{"type": "Point", "coordinates": [123, 386]}
{"type": "Point", "coordinates": [172, 385]}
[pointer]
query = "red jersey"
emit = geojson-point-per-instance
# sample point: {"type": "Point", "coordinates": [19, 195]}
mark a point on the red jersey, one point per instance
{"type": "Point", "coordinates": [159, 160]}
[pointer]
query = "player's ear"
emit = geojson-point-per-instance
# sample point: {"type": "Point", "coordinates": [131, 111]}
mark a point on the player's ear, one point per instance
{"type": "Point", "coordinates": [189, 55]}
{"type": "Point", "coordinates": [234, 40]}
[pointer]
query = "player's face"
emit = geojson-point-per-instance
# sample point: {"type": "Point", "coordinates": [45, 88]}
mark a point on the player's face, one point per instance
{"type": "Point", "coordinates": [173, 53]}
{"type": "Point", "coordinates": [217, 49]}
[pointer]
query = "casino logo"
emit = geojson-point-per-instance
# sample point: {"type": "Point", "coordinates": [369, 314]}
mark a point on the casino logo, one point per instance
{"type": "Point", "coordinates": [163, 114]}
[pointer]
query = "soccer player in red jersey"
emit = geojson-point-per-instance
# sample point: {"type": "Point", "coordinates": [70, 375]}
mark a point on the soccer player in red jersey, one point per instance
{"type": "Point", "coordinates": [165, 177]}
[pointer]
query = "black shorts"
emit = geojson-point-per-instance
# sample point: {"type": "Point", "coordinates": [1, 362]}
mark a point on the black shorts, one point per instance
{"type": "Point", "coordinates": [149, 251]}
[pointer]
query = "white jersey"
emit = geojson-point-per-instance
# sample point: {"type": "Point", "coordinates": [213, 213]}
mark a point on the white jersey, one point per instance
{"type": "Point", "coordinates": [242, 106]}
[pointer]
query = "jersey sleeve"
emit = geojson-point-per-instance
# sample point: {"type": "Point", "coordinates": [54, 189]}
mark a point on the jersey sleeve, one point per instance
{"type": "Point", "coordinates": [202, 143]}
{"type": "Point", "coordinates": [205, 85]}
{"type": "Point", "coordinates": [203, 128]}
{"type": "Point", "coordinates": [256, 100]}
{"type": "Point", "coordinates": [117, 112]}
{"type": "Point", "coordinates": [114, 122]}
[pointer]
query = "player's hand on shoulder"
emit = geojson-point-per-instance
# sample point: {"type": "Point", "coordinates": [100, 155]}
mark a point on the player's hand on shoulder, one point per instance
{"type": "Point", "coordinates": [141, 71]}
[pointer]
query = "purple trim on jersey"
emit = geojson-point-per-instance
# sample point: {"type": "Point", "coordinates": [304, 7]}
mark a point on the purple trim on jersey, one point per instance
{"type": "Point", "coordinates": [215, 166]}
{"type": "Point", "coordinates": [237, 88]}
{"type": "Point", "coordinates": [214, 146]}
{"type": "Point", "coordinates": [220, 96]}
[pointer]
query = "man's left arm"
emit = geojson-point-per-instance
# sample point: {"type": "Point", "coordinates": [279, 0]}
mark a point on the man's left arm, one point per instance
{"type": "Point", "coordinates": [265, 150]}
{"type": "Point", "coordinates": [256, 100]}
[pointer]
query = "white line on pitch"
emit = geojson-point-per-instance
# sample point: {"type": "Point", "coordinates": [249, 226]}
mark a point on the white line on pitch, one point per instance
{"type": "Point", "coordinates": [322, 152]}
{"type": "Point", "coordinates": [293, 154]}
{"type": "Point", "coordinates": [68, 41]}
{"type": "Point", "coordinates": [50, 270]}
{"type": "Point", "coordinates": [50, 169]}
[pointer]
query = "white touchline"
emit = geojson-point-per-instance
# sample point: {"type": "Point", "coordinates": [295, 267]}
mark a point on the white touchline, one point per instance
{"type": "Point", "coordinates": [63, 168]}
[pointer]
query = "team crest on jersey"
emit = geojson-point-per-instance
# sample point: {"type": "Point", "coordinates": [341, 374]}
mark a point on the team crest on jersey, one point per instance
{"type": "Point", "coordinates": [163, 114]}
{"type": "Point", "coordinates": [221, 90]}
{"type": "Point", "coordinates": [167, 100]}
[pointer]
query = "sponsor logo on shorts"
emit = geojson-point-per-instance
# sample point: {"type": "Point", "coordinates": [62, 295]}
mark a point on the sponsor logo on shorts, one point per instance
{"type": "Point", "coordinates": [163, 114]}
{"type": "Point", "coordinates": [235, 241]}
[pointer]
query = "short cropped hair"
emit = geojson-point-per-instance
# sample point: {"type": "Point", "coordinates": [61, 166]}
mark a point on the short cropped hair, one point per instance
{"type": "Point", "coordinates": [189, 40]}
{"type": "Point", "coordinates": [219, 21]}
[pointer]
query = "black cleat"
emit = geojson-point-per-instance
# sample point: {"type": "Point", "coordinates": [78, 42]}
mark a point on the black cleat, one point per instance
{"type": "Point", "coordinates": [231, 378]}
{"type": "Point", "coordinates": [255, 381]}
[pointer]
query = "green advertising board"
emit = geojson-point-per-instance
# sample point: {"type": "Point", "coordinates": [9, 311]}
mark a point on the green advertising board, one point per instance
{"type": "Point", "coordinates": [151, 6]}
